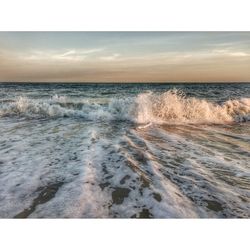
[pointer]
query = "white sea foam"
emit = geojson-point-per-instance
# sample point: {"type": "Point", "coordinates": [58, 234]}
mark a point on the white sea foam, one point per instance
{"type": "Point", "coordinates": [167, 171]}
{"type": "Point", "coordinates": [169, 107]}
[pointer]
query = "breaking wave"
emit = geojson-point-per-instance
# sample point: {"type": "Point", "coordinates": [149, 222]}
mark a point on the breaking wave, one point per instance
{"type": "Point", "coordinates": [174, 106]}
{"type": "Point", "coordinates": [169, 107]}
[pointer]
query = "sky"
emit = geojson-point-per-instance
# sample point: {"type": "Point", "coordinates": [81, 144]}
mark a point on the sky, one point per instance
{"type": "Point", "coordinates": [124, 56]}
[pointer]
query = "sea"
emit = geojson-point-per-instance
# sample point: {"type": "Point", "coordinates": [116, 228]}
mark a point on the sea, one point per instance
{"type": "Point", "coordinates": [124, 150]}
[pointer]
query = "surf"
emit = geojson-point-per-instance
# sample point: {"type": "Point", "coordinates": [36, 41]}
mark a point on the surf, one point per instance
{"type": "Point", "coordinates": [169, 107]}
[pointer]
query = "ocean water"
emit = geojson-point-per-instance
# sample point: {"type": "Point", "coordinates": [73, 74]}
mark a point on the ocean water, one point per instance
{"type": "Point", "coordinates": [124, 150]}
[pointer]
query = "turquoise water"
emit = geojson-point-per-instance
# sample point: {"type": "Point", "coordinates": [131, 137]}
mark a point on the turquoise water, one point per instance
{"type": "Point", "coordinates": [124, 150]}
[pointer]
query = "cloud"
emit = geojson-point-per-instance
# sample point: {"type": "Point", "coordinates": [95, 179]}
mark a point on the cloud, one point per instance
{"type": "Point", "coordinates": [70, 52]}
{"type": "Point", "coordinates": [112, 57]}
{"type": "Point", "coordinates": [229, 52]}
{"type": "Point", "coordinates": [90, 51]}
{"type": "Point", "coordinates": [239, 54]}
{"type": "Point", "coordinates": [59, 55]}
{"type": "Point", "coordinates": [96, 64]}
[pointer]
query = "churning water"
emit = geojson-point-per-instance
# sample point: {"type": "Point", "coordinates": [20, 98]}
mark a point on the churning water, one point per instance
{"type": "Point", "coordinates": [124, 150]}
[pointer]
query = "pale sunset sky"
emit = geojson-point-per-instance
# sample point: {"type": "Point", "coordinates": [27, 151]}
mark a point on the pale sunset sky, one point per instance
{"type": "Point", "coordinates": [125, 56]}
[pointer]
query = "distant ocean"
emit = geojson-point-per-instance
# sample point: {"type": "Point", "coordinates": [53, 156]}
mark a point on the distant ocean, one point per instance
{"type": "Point", "coordinates": [124, 150]}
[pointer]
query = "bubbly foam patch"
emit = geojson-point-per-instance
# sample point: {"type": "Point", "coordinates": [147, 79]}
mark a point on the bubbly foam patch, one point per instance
{"type": "Point", "coordinates": [169, 107]}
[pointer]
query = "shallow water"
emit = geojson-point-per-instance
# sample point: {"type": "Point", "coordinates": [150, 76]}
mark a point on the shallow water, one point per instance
{"type": "Point", "coordinates": [124, 150]}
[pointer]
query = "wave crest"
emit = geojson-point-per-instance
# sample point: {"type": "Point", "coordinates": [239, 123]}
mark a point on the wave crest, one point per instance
{"type": "Point", "coordinates": [173, 106]}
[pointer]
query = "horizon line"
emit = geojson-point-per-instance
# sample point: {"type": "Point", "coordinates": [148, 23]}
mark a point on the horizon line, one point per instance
{"type": "Point", "coordinates": [119, 82]}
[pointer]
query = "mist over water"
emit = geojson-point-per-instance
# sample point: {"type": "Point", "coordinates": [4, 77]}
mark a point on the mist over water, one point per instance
{"type": "Point", "coordinates": [124, 150]}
